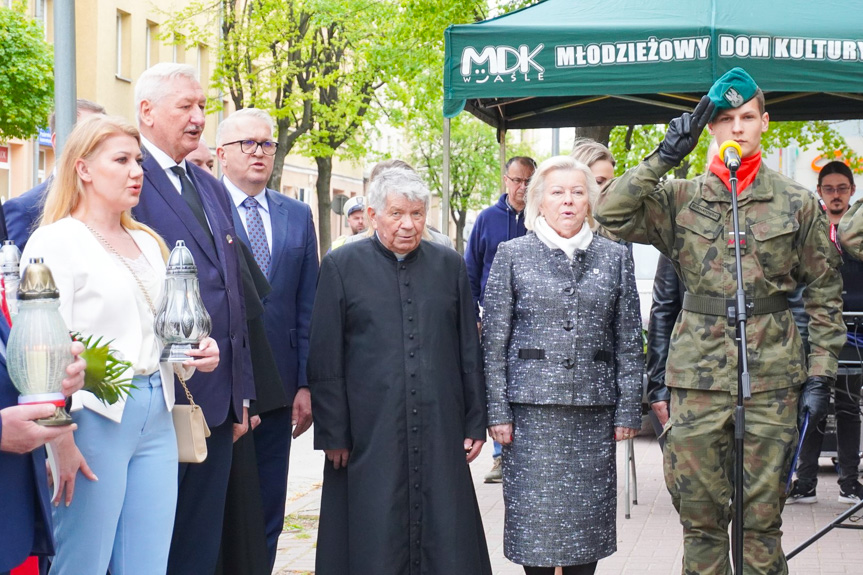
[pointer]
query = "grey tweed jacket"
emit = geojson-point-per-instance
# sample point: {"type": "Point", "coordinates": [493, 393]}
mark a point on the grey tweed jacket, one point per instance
{"type": "Point", "coordinates": [556, 332]}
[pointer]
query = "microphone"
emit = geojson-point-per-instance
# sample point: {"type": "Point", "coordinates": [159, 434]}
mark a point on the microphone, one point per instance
{"type": "Point", "coordinates": [730, 153]}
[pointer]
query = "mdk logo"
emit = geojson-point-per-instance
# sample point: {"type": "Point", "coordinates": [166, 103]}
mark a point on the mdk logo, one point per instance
{"type": "Point", "coordinates": [497, 62]}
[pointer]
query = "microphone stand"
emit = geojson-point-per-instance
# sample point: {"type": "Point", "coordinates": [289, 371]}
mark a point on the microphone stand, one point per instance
{"type": "Point", "coordinates": [744, 390]}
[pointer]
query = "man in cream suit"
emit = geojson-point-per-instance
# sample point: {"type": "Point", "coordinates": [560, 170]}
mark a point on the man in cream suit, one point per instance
{"type": "Point", "coordinates": [281, 235]}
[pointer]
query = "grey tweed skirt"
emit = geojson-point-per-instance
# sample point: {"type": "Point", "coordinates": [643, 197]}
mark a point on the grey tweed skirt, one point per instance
{"type": "Point", "coordinates": [560, 485]}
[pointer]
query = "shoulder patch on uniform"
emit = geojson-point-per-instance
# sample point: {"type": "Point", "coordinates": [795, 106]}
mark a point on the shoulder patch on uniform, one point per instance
{"type": "Point", "coordinates": [703, 210]}
{"type": "Point", "coordinates": [822, 204]}
{"type": "Point", "coordinates": [834, 237]}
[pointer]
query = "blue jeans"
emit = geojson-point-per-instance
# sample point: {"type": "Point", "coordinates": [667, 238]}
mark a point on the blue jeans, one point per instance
{"type": "Point", "coordinates": [125, 519]}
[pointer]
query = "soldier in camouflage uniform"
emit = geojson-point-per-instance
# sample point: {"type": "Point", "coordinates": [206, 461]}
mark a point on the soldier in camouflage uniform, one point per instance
{"type": "Point", "coordinates": [851, 230]}
{"type": "Point", "coordinates": [786, 243]}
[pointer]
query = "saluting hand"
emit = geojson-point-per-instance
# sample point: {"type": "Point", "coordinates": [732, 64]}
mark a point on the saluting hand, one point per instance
{"type": "Point", "coordinates": [683, 132]}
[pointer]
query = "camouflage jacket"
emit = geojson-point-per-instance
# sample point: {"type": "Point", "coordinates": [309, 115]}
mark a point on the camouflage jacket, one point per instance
{"type": "Point", "coordinates": [786, 243]}
{"type": "Point", "coordinates": [851, 230]}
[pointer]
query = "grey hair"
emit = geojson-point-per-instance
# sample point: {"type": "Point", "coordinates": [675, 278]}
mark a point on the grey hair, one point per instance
{"type": "Point", "coordinates": [154, 83]}
{"type": "Point", "coordinates": [237, 117]}
{"type": "Point", "coordinates": [589, 152]}
{"type": "Point", "coordinates": [537, 187]}
{"type": "Point", "coordinates": [397, 181]}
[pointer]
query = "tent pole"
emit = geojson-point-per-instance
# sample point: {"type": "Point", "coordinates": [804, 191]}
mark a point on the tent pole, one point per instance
{"type": "Point", "coordinates": [444, 208]}
{"type": "Point", "coordinates": [501, 136]}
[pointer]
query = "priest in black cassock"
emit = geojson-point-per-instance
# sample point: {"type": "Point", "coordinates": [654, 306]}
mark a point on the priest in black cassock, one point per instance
{"type": "Point", "coordinates": [398, 398]}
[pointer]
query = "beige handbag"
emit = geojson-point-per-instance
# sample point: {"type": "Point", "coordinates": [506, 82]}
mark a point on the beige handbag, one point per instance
{"type": "Point", "coordinates": [192, 430]}
{"type": "Point", "coordinates": [189, 423]}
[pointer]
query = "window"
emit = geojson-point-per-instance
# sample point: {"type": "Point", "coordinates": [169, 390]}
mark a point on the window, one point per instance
{"type": "Point", "coordinates": [124, 45]}
{"type": "Point", "coordinates": [202, 63]}
{"type": "Point", "coordinates": [43, 160]}
{"type": "Point", "coordinates": [42, 13]}
{"type": "Point", "coordinates": [4, 172]}
{"type": "Point", "coordinates": [151, 48]}
{"type": "Point", "coordinates": [179, 52]}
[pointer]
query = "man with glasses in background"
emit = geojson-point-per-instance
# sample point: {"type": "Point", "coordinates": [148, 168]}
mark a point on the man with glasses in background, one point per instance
{"type": "Point", "coordinates": [835, 187]}
{"type": "Point", "coordinates": [281, 235]}
{"type": "Point", "coordinates": [499, 223]}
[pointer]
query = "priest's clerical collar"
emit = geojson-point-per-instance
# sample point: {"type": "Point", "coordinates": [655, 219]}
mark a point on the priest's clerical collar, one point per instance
{"type": "Point", "coordinates": [389, 252]}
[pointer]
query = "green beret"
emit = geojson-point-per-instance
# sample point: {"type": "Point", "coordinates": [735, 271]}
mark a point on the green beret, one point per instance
{"type": "Point", "coordinates": [732, 90]}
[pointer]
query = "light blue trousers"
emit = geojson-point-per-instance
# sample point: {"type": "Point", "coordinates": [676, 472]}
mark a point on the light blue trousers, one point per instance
{"type": "Point", "coordinates": [125, 519]}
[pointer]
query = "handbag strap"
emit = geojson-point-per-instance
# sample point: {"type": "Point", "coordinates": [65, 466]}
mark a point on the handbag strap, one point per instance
{"type": "Point", "coordinates": [144, 291]}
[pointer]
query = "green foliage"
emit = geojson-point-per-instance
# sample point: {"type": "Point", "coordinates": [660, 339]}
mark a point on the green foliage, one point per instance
{"type": "Point", "coordinates": [414, 103]}
{"type": "Point", "coordinates": [26, 74]}
{"type": "Point", "coordinates": [103, 376]}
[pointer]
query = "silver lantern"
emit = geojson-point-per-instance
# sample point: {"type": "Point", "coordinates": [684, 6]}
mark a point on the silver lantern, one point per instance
{"type": "Point", "coordinates": [182, 320]}
{"type": "Point", "coordinates": [38, 348]}
{"type": "Point", "coordinates": [10, 263]}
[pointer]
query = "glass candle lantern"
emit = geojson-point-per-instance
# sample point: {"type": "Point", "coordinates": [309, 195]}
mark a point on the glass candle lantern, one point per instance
{"type": "Point", "coordinates": [182, 320]}
{"type": "Point", "coordinates": [10, 263]}
{"type": "Point", "coordinates": [37, 352]}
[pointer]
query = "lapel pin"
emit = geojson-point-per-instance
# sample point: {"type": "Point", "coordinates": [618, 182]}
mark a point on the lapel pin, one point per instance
{"type": "Point", "coordinates": [229, 238]}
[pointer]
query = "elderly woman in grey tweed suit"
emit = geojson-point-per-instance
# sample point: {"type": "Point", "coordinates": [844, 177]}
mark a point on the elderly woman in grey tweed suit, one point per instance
{"type": "Point", "coordinates": [563, 363]}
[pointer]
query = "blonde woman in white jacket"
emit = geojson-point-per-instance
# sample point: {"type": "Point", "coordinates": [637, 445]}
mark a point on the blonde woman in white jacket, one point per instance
{"type": "Point", "coordinates": [110, 270]}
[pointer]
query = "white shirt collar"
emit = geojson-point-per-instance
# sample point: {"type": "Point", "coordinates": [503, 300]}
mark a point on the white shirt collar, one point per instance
{"type": "Point", "coordinates": [238, 196]}
{"type": "Point", "coordinates": [163, 159]}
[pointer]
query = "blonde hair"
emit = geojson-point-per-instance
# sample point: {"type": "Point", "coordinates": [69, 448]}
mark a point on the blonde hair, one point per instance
{"type": "Point", "coordinates": [537, 187]}
{"type": "Point", "coordinates": [67, 189]}
{"type": "Point", "coordinates": [588, 151]}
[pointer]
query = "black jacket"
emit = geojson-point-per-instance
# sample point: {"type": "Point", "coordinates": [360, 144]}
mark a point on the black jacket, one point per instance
{"type": "Point", "coordinates": [667, 302]}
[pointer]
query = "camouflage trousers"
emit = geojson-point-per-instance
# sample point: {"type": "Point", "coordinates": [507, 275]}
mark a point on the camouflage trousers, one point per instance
{"type": "Point", "coordinates": [699, 474]}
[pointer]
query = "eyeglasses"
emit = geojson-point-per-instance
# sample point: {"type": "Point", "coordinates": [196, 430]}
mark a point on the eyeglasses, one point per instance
{"type": "Point", "coordinates": [251, 146]}
{"type": "Point", "coordinates": [843, 189]}
{"type": "Point", "coordinates": [518, 181]}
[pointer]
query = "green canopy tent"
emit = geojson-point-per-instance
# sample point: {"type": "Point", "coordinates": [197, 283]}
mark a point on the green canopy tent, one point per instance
{"type": "Point", "coordinates": [610, 62]}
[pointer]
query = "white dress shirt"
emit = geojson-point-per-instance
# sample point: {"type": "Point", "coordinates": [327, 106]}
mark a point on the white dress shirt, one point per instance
{"type": "Point", "coordinates": [238, 196]}
{"type": "Point", "coordinates": [165, 161]}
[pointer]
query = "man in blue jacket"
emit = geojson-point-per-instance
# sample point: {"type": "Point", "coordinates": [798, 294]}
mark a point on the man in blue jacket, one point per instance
{"type": "Point", "coordinates": [183, 202]}
{"type": "Point", "coordinates": [25, 520]}
{"type": "Point", "coordinates": [501, 222]}
{"type": "Point", "coordinates": [22, 213]}
{"type": "Point", "coordinates": [281, 235]}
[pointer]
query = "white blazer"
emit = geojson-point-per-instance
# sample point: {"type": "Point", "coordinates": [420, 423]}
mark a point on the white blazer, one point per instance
{"type": "Point", "coordinates": [98, 296]}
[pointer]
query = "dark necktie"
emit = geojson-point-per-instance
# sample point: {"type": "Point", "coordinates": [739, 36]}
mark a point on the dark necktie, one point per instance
{"type": "Point", "coordinates": [193, 199]}
{"type": "Point", "coordinates": [257, 234]}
